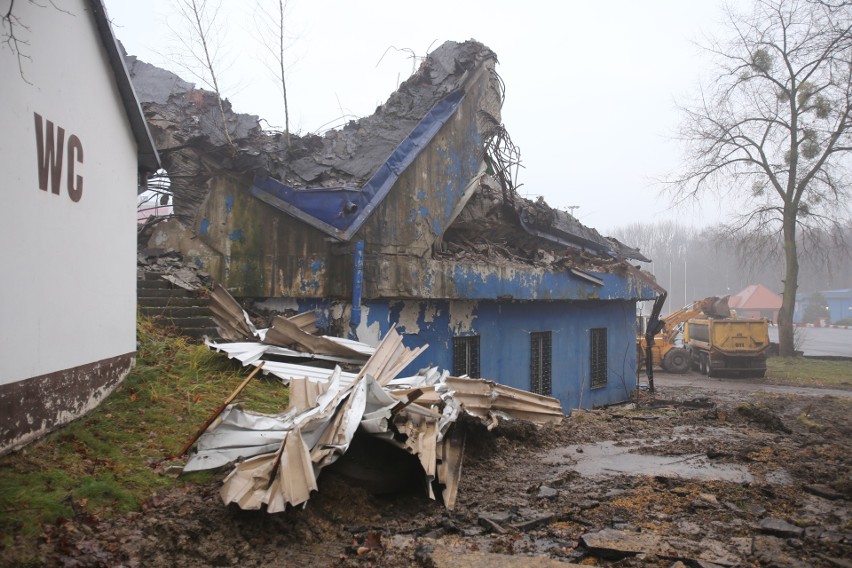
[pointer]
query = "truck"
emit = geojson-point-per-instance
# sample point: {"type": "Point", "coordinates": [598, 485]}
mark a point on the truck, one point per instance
{"type": "Point", "coordinates": [727, 346]}
{"type": "Point", "coordinates": [663, 346]}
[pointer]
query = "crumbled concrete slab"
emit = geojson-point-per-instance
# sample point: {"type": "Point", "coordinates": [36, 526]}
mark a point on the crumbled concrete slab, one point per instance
{"type": "Point", "coordinates": [781, 528]}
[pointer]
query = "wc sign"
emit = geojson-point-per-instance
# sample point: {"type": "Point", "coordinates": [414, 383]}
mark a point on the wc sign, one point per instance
{"type": "Point", "coordinates": [55, 155]}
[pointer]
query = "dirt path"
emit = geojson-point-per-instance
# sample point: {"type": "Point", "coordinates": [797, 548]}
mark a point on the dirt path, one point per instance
{"type": "Point", "coordinates": [702, 384]}
{"type": "Point", "coordinates": [722, 474]}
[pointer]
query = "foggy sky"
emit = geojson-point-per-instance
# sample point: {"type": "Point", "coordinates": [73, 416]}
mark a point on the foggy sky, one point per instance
{"type": "Point", "coordinates": [590, 87]}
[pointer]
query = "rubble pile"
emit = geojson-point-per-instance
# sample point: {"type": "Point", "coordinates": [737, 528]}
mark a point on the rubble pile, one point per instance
{"type": "Point", "coordinates": [189, 132]}
{"type": "Point", "coordinates": [526, 231]}
{"type": "Point", "coordinates": [522, 501]}
{"type": "Point", "coordinates": [279, 457]}
{"type": "Point", "coordinates": [171, 266]}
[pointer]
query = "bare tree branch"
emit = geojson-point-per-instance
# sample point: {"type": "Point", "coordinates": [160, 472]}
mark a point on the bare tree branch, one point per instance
{"type": "Point", "coordinates": [200, 41]}
{"type": "Point", "coordinates": [271, 31]}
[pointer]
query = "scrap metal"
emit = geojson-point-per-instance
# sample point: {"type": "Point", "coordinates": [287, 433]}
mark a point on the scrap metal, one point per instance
{"type": "Point", "coordinates": [277, 458]}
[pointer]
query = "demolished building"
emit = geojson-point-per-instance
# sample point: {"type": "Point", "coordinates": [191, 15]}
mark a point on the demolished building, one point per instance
{"type": "Point", "coordinates": [406, 218]}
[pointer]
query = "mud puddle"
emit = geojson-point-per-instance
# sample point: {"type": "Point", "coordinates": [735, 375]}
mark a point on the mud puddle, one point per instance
{"type": "Point", "coordinates": [614, 458]}
{"type": "Point", "coordinates": [682, 454]}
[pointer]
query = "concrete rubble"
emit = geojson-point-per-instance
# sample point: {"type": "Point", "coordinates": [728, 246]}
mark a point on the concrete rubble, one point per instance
{"type": "Point", "coordinates": [278, 458]}
{"type": "Point", "coordinates": [170, 266]}
{"type": "Point", "coordinates": [496, 224]}
{"type": "Point", "coordinates": [190, 134]}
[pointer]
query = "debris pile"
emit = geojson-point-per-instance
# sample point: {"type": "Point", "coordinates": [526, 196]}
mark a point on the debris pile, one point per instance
{"type": "Point", "coordinates": [279, 457]}
{"type": "Point", "coordinates": [170, 266]}
{"type": "Point", "coordinates": [189, 132]}
{"type": "Point", "coordinates": [500, 225]}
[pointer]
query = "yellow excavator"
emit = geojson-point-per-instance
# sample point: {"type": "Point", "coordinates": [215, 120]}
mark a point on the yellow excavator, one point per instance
{"type": "Point", "coordinates": [659, 342]}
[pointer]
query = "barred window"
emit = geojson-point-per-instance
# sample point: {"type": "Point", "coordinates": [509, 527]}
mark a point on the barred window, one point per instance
{"type": "Point", "coordinates": [598, 357]}
{"type": "Point", "coordinates": [540, 363]}
{"type": "Point", "coordinates": [466, 356]}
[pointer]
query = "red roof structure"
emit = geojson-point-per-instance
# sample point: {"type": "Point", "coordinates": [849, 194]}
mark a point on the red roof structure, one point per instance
{"type": "Point", "coordinates": [756, 301]}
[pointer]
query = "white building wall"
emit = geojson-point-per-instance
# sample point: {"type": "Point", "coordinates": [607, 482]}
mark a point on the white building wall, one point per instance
{"type": "Point", "coordinates": [68, 282]}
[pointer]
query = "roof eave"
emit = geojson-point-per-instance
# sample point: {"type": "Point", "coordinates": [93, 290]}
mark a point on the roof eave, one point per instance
{"type": "Point", "coordinates": [148, 158]}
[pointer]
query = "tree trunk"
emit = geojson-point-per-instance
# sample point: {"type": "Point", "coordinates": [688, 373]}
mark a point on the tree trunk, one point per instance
{"type": "Point", "coordinates": [786, 345]}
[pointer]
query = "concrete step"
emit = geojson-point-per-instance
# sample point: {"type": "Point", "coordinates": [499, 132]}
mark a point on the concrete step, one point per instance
{"type": "Point", "coordinates": [163, 292]}
{"type": "Point", "coordinates": [155, 284]}
{"type": "Point", "coordinates": [155, 276]}
{"type": "Point", "coordinates": [169, 302]}
{"type": "Point", "coordinates": [175, 311]}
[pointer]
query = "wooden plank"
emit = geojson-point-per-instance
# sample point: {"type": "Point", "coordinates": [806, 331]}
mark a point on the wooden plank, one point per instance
{"type": "Point", "coordinates": [218, 411]}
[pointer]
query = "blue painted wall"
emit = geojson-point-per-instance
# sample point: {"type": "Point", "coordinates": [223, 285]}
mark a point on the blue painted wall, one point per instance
{"type": "Point", "coordinates": [504, 329]}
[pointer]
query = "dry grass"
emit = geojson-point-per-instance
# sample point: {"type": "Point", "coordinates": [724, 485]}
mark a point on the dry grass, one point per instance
{"type": "Point", "coordinates": [112, 460]}
{"type": "Point", "coordinates": [801, 371]}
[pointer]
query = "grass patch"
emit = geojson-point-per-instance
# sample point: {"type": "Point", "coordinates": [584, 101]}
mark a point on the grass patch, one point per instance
{"type": "Point", "coordinates": [111, 460]}
{"type": "Point", "coordinates": [801, 371]}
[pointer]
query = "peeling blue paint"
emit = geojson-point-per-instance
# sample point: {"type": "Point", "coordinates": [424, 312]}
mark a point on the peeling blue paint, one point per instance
{"type": "Point", "coordinates": [198, 262]}
{"type": "Point", "coordinates": [237, 235]}
{"type": "Point", "coordinates": [504, 328]}
{"type": "Point", "coordinates": [317, 265]}
{"type": "Point", "coordinates": [229, 203]}
{"type": "Point", "coordinates": [311, 273]}
{"type": "Point", "coordinates": [475, 282]}
{"type": "Point", "coordinates": [204, 227]}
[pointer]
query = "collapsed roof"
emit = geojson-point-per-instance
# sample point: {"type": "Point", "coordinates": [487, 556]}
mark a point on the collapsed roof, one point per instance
{"type": "Point", "coordinates": [335, 181]}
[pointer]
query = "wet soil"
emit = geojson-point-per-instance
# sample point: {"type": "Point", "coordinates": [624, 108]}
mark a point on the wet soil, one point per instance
{"type": "Point", "coordinates": [738, 478]}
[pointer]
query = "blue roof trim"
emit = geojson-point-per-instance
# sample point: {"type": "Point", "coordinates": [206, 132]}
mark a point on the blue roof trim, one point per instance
{"type": "Point", "coordinates": [340, 211]}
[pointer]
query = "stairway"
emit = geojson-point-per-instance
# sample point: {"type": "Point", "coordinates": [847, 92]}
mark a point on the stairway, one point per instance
{"type": "Point", "coordinates": [171, 305]}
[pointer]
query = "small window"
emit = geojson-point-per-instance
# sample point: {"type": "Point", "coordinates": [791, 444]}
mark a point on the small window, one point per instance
{"type": "Point", "coordinates": [540, 367]}
{"type": "Point", "coordinates": [466, 356]}
{"type": "Point", "coordinates": [598, 357]}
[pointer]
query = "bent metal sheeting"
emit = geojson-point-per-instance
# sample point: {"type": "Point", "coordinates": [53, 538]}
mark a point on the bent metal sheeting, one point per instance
{"type": "Point", "coordinates": [279, 457]}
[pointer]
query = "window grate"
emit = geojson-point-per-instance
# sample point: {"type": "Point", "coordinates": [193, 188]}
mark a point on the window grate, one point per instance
{"type": "Point", "coordinates": [466, 356]}
{"type": "Point", "coordinates": [598, 357]}
{"type": "Point", "coordinates": [540, 363]}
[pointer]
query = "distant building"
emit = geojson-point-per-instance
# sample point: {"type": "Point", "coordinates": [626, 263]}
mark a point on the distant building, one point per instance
{"type": "Point", "coordinates": [756, 301]}
{"type": "Point", "coordinates": [839, 304]}
{"type": "Point", "coordinates": [75, 152]}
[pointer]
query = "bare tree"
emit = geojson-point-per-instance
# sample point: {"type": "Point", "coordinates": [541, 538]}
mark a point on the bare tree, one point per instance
{"type": "Point", "coordinates": [270, 24]}
{"type": "Point", "coordinates": [200, 42]}
{"type": "Point", "coordinates": [13, 31]}
{"type": "Point", "coordinates": [772, 129]}
{"type": "Point", "coordinates": [10, 26]}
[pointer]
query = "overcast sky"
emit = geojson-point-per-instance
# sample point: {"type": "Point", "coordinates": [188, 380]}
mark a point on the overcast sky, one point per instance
{"type": "Point", "coordinates": [590, 86]}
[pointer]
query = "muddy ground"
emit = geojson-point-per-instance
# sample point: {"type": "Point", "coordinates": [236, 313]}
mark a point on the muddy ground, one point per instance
{"type": "Point", "coordinates": [699, 474]}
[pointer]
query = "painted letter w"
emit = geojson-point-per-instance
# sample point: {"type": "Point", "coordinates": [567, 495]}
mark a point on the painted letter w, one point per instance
{"type": "Point", "coordinates": [49, 155]}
